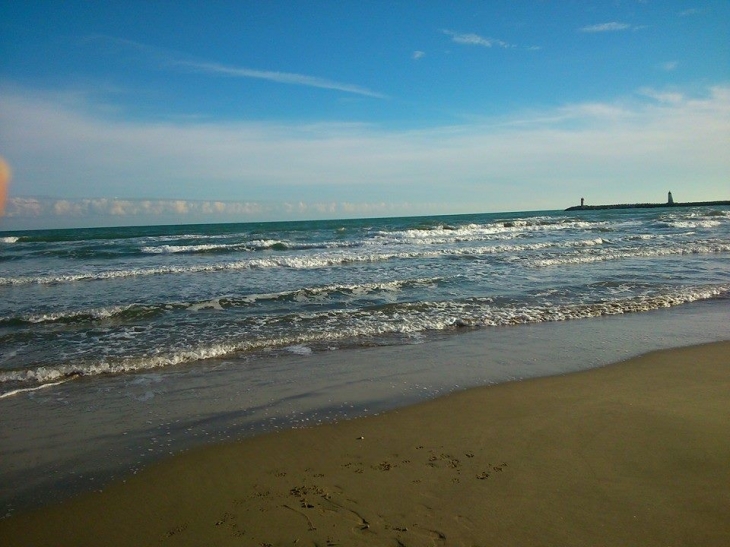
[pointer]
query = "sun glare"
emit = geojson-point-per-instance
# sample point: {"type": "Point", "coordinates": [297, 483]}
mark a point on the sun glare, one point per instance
{"type": "Point", "coordinates": [4, 182]}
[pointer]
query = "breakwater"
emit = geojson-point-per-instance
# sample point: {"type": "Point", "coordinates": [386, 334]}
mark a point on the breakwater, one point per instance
{"type": "Point", "coordinates": [647, 205]}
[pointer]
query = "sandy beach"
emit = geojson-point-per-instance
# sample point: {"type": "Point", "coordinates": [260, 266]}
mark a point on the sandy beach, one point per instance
{"type": "Point", "coordinates": [634, 453]}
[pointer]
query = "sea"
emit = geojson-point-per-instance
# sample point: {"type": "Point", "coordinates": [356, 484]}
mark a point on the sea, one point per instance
{"type": "Point", "coordinates": [133, 343]}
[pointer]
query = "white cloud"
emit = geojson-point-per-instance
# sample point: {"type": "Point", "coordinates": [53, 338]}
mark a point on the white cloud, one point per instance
{"type": "Point", "coordinates": [672, 97]}
{"type": "Point", "coordinates": [669, 66]}
{"type": "Point", "coordinates": [419, 55]}
{"type": "Point", "coordinates": [471, 39]}
{"type": "Point", "coordinates": [476, 40]}
{"type": "Point", "coordinates": [252, 171]}
{"type": "Point", "coordinates": [606, 27]}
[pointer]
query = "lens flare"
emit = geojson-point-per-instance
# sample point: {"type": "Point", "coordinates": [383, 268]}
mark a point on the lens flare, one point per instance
{"type": "Point", "coordinates": [4, 182]}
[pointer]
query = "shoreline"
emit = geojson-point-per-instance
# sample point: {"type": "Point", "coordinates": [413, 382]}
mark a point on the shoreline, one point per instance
{"type": "Point", "coordinates": [633, 453]}
{"type": "Point", "coordinates": [82, 435]}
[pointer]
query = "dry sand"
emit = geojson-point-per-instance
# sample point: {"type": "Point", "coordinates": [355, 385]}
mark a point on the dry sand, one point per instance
{"type": "Point", "coordinates": [636, 453]}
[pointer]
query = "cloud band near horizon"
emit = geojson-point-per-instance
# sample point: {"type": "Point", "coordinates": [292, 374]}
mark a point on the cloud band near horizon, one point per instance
{"type": "Point", "coordinates": [630, 149]}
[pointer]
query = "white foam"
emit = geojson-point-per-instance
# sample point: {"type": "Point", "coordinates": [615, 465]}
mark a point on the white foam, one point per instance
{"type": "Point", "coordinates": [632, 253]}
{"type": "Point", "coordinates": [694, 223]}
{"type": "Point", "coordinates": [34, 388]}
{"type": "Point", "coordinates": [299, 349]}
{"type": "Point", "coordinates": [214, 304]}
{"type": "Point", "coordinates": [171, 249]}
{"type": "Point", "coordinates": [97, 314]}
{"type": "Point", "coordinates": [201, 248]}
{"type": "Point", "coordinates": [539, 314]}
{"type": "Point", "coordinates": [474, 232]}
{"type": "Point", "coordinates": [46, 374]}
{"type": "Point", "coordinates": [266, 243]}
{"type": "Point", "coordinates": [9, 239]}
{"type": "Point", "coordinates": [356, 290]}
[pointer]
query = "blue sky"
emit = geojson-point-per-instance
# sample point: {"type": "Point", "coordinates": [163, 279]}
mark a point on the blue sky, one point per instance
{"type": "Point", "coordinates": [164, 112]}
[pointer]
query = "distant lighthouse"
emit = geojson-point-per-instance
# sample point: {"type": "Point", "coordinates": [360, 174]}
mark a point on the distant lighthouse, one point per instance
{"type": "Point", "coordinates": [670, 199]}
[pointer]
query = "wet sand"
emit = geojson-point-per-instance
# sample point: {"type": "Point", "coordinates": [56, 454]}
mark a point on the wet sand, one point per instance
{"type": "Point", "coordinates": [630, 454]}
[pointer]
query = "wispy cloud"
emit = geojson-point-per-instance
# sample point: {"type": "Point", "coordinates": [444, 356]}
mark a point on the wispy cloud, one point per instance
{"type": "Point", "coordinates": [613, 26]}
{"type": "Point", "coordinates": [690, 12]}
{"type": "Point", "coordinates": [278, 77]}
{"type": "Point", "coordinates": [418, 55]}
{"type": "Point", "coordinates": [471, 39]}
{"type": "Point", "coordinates": [176, 61]}
{"type": "Point", "coordinates": [669, 66]}
{"type": "Point", "coordinates": [671, 97]}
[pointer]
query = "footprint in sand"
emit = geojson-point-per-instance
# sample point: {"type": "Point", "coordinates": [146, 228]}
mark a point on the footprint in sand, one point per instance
{"type": "Point", "coordinates": [227, 517]}
{"type": "Point", "coordinates": [176, 530]}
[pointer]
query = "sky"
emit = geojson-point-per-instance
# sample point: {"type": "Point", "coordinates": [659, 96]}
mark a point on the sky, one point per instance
{"type": "Point", "coordinates": [157, 112]}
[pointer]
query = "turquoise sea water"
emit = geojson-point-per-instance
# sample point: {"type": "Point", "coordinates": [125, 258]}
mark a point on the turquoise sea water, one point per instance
{"type": "Point", "coordinates": [119, 346]}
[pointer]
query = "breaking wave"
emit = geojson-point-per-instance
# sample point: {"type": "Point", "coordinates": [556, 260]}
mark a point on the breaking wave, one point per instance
{"type": "Point", "coordinates": [360, 326]}
{"type": "Point", "coordinates": [339, 258]}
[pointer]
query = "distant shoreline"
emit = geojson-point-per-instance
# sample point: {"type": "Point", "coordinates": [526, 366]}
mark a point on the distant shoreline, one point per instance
{"type": "Point", "coordinates": [646, 205]}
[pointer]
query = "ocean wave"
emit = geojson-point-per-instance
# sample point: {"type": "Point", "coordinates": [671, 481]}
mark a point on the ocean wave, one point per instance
{"type": "Point", "coordinates": [583, 258]}
{"type": "Point", "coordinates": [501, 229]}
{"type": "Point", "coordinates": [540, 314]}
{"type": "Point", "coordinates": [691, 224]}
{"type": "Point", "coordinates": [692, 219]}
{"type": "Point", "coordinates": [341, 257]}
{"type": "Point", "coordinates": [61, 372]}
{"type": "Point", "coordinates": [133, 312]}
{"type": "Point", "coordinates": [128, 312]}
{"type": "Point", "coordinates": [293, 262]}
{"type": "Point", "coordinates": [363, 326]}
{"type": "Point", "coordinates": [62, 317]}
{"type": "Point", "coordinates": [327, 291]}
{"type": "Point", "coordinates": [193, 249]}
{"type": "Point", "coordinates": [9, 239]}
{"type": "Point", "coordinates": [247, 246]}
